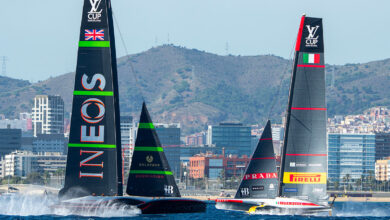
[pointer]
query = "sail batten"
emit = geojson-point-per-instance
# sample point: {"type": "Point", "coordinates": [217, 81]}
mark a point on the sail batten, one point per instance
{"type": "Point", "coordinates": [304, 153]}
{"type": "Point", "coordinates": [94, 150]}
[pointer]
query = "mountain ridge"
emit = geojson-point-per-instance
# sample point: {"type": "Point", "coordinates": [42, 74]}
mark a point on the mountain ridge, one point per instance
{"type": "Point", "coordinates": [197, 88]}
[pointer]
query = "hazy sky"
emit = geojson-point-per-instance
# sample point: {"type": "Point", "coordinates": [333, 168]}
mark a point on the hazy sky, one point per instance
{"type": "Point", "coordinates": [40, 37]}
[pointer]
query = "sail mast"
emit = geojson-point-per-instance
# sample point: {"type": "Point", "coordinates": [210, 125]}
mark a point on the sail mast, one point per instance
{"type": "Point", "coordinates": [116, 99]}
{"type": "Point", "coordinates": [94, 150]}
{"type": "Point", "coordinates": [288, 111]}
{"type": "Point", "coordinates": [304, 154]}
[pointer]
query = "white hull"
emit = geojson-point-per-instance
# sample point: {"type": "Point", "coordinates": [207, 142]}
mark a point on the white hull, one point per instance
{"type": "Point", "coordinates": [279, 204]}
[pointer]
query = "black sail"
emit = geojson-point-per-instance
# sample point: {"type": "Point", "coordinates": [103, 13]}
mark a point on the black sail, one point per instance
{"type": "Point", "coordinates": [94, 164]}
{"type": "Point", "coordinates": [150, 174]}
{"type": "Point", "coordinates": [261, 178]}
{"type": "Point", "coordinates": [304, 154]}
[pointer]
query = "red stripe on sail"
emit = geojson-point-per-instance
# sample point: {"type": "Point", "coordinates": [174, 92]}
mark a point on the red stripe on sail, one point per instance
{"type": "Point", "coordinates": [298, 44]}
{"type": "Point", "coordinates": [263, 158]}
{"type": "Point", "coordinates": [309, 155]}
{"type": "Point", "coordinates": [265, 139]}
{"type": "Point", "coordinates": [308, 65]}
{"type": "Point", "coordinates": [312, 109]}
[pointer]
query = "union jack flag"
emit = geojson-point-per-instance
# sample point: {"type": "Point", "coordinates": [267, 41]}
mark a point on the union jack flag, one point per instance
{"type": "Point", "coordinates": [94, 34]}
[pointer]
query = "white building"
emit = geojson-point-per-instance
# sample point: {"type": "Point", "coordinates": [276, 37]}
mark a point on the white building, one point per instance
{"type": "Point", "coordinates": [22, 163]}
{"type": "Point", "coordinates": [24, 122]}
{"type": "Point", "coordinates": [128, 134]}
{"type": "Point", "coordinates": [48, 115]}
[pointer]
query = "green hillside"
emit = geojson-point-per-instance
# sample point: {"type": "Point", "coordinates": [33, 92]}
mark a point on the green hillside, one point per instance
{"type": "Point", "coordinates": [197, 88]}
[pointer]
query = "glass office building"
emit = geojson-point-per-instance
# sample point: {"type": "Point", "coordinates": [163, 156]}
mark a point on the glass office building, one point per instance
{"type": "Point", "coordinates": [169, 135]}
{"type": "Point", "coordinates": [352, 154]}
{"type": "Point", "coordinates": [382, 146]}
{"type": "Point", "coordinates": [234, 137]}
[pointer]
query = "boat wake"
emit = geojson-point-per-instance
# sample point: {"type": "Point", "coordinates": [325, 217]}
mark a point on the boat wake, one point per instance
{"type": "Point", "coordinates": [361, 209]}
{"type": "Point", "coordinates": [37, 205]}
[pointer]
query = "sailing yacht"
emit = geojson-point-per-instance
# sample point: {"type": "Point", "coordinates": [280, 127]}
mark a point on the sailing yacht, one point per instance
{"type": "Point", "coordinates": [151, 177]}
{"type": "Point", "coordinates": [260, 180]}
{"type": "Point", "coordinates": [93, 179]}
{"type": "Point", "coordinates": [303, 171]}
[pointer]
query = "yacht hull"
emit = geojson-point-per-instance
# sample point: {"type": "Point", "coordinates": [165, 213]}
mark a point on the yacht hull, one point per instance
{"type": "Point", "coordinates": [278, 205]}
{"type": "Point", "coordinates": [92, 204]}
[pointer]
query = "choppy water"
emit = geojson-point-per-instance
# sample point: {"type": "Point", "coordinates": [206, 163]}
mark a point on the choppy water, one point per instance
{"type": "Point", "coordinates": [39, 207]}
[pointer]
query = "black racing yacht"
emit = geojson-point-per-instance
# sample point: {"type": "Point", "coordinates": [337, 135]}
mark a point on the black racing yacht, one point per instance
{"type": "Point", "coordinates": [93, 179]}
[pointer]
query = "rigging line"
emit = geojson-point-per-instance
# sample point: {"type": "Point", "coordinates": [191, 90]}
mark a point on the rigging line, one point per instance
{"type": "Point", "coordinates": [131, 69]}
{"type": "Point", "coordinates": [277, 95]}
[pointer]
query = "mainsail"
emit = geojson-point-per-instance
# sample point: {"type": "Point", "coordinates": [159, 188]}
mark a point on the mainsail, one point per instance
{"type": "Point", "coordinates": [261, 179]}
{"type": "Point", "coordinates": [304, 153]}
{"type": "Point", "coordinates": [150, 174]}
{"type": "Point", "coordinates": [94, 164]}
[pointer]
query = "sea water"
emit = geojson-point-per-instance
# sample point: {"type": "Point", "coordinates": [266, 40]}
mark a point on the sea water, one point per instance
{"type": "Point", "coordinates": [16, 206]}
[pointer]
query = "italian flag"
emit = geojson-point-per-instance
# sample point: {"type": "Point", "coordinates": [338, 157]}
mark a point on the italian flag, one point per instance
{"type": "Point", "coordinates": [311, 58]}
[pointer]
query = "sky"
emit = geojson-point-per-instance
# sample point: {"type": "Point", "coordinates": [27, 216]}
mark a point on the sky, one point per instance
{"type": "Point", "coordinates": [39, 38]}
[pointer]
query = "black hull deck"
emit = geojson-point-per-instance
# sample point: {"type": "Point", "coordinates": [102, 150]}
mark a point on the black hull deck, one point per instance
{"type": "Point", "coordinates": [146, 205]}
{"type": "Point", "coordinates": [178, 205]}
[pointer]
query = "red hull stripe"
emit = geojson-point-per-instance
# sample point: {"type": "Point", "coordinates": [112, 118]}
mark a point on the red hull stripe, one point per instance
{"type": "Point", "coordinates": [309, 65]}
{"type": "Point", "coordinates": [263, 158]}
{"type": "Point", "coordinates": [228, 200]}
{"type": "Point", "coordinates": [315, 109]}
{"type": "Point", "coordinates": [265, 139]}
{"type": "Point", "coordinates": [298, 203]}
{"type": "Point", "coordinates": [308, 155]}
{"type": "Point", "coordinates": [298, 44]}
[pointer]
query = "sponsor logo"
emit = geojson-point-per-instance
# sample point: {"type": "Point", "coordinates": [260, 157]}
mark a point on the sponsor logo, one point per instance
{"type": "Point", "coordinates": [255, 176]}
{"type": "Point", "coordinates": [91, 132]}
{"type": "Point", "coordinates": [149, 158]}
{"type": "Point", "coordinates": [318, 190]}
{"type": "Point", "coordinates": [304, 178]}
{"type": "Point", "coordinates": [85, 163]}
{"type": "Point", "coordinates": [271, 186]}
{"type": "Point", "coordinates": [257, 188]}
{"type": "Point", "coordinates": [290, 189]}
{"type": "Point", "coordinates": [244, 191]}
{"type": "Point", "coordinates": [315, 165]}
{"type": "Point", "coordinates": [148, 176]}
{"type": "Point", "coordinates": [84, 111]}
{"type": "Point", "coordinates": [94, 15]}
{"type": "Point", "coordinates": [149, 164]}
{"type": "Point", "coordinates": [95, 78]}
{"type": "Point", "coordinates": [297, 203]}
{"type": "Point", "coordinates": [312, 39]}
{"type": "Point", "coordinates": [292, 164]}
{"type": "Point", "coordinates": [94, 34]}
{"type": "Point", "coordinates": [300, 165]}
{"type": "Point", "coordinates": [168, 189]}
